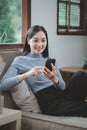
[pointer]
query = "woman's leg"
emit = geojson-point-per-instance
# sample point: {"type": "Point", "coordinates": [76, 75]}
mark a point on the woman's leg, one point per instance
{"type": "Point", "coordinates": [47, 99]}
{"type": "Point", "coordinates": [76, 87]}
{"type": "Point", "coordinates": [69, 103]}
{"type": "Point", "coordinates": [52, 104]}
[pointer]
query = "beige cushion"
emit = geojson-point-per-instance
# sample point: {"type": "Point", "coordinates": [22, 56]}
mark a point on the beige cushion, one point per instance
{"type": "Point", "coordinates": [24, 98]}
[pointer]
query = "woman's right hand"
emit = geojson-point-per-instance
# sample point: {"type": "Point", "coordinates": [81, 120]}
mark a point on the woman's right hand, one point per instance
{"type": "Point", "coordinates": [33, 72]}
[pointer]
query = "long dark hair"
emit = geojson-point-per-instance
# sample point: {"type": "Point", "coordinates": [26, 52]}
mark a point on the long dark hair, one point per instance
{"type": "Point", "coordinates": [31, 32]}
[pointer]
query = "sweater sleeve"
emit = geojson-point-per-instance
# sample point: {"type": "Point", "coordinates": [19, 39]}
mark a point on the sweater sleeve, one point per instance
{"type": "Point", "coordinates": [61, 84]}
{"type": "Point", "coordinates": [10, 79]}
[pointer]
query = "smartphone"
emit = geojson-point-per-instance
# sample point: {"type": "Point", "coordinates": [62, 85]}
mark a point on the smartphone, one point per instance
{"type": "Point", "coordinates": [48, 63]}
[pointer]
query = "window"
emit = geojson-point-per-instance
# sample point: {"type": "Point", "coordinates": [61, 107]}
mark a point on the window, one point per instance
{"type": "Point", "coordinates": [15, 19]}
{"type": "Point", "coordinates": [72, 17]}
{"type": "Point", "coordinates": [10, 21]}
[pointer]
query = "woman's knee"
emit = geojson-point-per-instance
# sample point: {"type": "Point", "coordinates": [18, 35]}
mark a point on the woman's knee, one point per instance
{"type": "Point", "coordinates": [80, 74]}
{"type": "Point", "coordinates": [77, 76]}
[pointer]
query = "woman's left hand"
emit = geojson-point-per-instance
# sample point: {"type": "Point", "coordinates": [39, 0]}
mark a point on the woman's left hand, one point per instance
{"type": "Point", "coordinates": [51, 74]}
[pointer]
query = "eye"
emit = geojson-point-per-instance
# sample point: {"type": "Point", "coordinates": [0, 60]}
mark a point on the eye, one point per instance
{"type": "Point", "coordinates": [43, 40]}
{"type": "Point", "coordinates": [35, 40]}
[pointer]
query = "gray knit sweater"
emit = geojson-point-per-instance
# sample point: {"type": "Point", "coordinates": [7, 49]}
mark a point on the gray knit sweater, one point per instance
{"type": "Point", "coordinates": [22, 64]}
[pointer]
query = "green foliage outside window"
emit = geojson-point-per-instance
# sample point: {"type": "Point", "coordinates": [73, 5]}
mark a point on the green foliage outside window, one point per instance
{"type": "Point", "coordinates": [10, 21]}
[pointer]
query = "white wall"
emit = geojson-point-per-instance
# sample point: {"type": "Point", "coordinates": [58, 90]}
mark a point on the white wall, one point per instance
{"type": "Point", "coordinates": [85, 45]}
{"type": "Point", "coordinates": [68, 50]}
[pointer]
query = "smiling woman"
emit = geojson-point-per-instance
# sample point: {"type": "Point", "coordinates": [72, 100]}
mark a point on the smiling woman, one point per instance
{"type": "Point", "coordinates": [14, 22]}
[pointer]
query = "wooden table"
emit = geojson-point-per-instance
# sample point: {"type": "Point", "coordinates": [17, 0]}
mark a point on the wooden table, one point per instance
{"type": "Point", "coordinates": [72, 69]}
{"type": "Point", "coordinates": [67, 72]}
{"type": "Point", "coordinates": [11, 116]}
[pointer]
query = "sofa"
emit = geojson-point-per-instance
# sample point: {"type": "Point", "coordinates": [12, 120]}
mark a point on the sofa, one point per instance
{"type": "Point", "coordinates": [32, 117]}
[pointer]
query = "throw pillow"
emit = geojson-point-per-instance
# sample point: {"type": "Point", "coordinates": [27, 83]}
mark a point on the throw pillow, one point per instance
{"type": "Point", "coordinates": [24, 98]}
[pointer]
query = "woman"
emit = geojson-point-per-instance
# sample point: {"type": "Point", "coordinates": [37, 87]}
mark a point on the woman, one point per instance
{"type": "Point", "coordinates": [53, 96]}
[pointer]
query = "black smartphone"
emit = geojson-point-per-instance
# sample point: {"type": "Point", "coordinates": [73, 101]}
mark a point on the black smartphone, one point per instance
{"type": "Point", "coordinates": [48, 63]}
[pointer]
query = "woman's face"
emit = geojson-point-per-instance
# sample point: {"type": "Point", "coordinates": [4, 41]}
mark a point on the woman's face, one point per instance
{"type": "Point", "coordinates": [38, 43]}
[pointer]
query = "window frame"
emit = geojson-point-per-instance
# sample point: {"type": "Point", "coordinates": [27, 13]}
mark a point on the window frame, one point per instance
{"type": "Point", "coordinates": [80, 30]}
{"type": "Point", "coordinates": [26, 23]}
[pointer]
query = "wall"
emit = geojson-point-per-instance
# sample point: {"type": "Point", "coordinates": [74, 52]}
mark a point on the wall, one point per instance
{"type": "Point", "coordinates": [85, 45]}
{"type": "Point", "coordinates": [68, 50]}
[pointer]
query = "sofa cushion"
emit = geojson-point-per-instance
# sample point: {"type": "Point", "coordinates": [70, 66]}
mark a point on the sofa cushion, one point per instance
{"type": "Point", "coordinates": [36, 121]}
{"type": "Point", "coordinates": [24, 98]}
{"type": "Point", "coordinates": [6, 58]}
